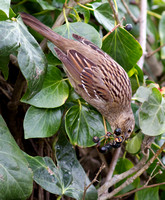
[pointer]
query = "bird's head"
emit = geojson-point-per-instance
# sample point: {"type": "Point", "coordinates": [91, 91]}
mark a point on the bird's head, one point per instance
{"type": "Point", "coordinates": [124, 125]}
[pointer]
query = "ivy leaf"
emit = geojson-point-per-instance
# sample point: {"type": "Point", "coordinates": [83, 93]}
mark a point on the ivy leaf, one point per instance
{"type": "Point", "coordinates": [148, 193]}
{"type": "Point", "coordinates": [79, 28]}
{"type": "Point", "coordinates": [134, 144]}
{"type": "Point", "coordinates": [15, 177]}
{"type": "Point", "coordinates": [152, 114]}
{"type": "Point", "coordinates": [104, 15]}
{"type": "Point", "coordinates": [67, 178]}
{"type": "Point", "coordinates": [54, 91]}
{"type": "Point", "coordinates": [123, 48]}
{"type": "Point", "coordinates": [82, 124]}
{"type": "Point", "coordinates": [4, 6]}
{"type": "Point", "coordinates": [41, 122]}
{"type": "Point", "coordinates": [142, 94]}
{"type": "Point", "coordinates": [123, 165]}
{"type": "Point", "coordinates": [44, 4]}
{"type": "Point", "coordinates": [31, 59]}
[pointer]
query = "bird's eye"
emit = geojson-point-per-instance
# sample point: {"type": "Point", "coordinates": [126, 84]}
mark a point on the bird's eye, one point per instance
{"type": "Point", "coordinates": [129, 130]}
{"type": "Point", "coordinates": [117, 131]}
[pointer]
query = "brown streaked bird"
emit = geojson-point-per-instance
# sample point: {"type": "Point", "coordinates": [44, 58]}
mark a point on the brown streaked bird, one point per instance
{"type": "Point", "coordinates": [95, 76]}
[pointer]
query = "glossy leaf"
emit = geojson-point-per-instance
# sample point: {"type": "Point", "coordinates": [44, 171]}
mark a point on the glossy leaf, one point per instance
{"type": "Point", "coordinates": [41, 122]}
{"type": "Point", "coordinates": [148, 194]}
{"type": "Point", "coordinates": [31, 59]}
{"type": "Point", "coordinates": [152, 114]}
{"type": "Point", "coordinates": [104, 15]}
{"type": "Point", "coordinates": [123, 48]}
{"type": "Point", "coordinates": [15, 176]}
{"type": "Point", "coordinates": [142, 94]}
{"type": "Point", "coordinates": [68, 178]}
{"type": "Point", "coordinates": [79, 28]}
{"type": "Point", "coordinates": [82, 124]}
{"type": "Point", "coordinates": [54, 91]}
{"type": "Point", "coordinates": [4, 6]}
{"type": "Point", "coordinates": [136, 77]}
{"type": "Point", "coordinates": [162, 34]}
{"type": "Point", "coordinates": [134, 144]}
{"type": "Point", "coordinates": [44, 4]}
{"type": "Point", "coordinates": [123, 165]}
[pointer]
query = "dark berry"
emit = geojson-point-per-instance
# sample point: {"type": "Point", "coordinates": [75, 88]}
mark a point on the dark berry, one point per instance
{"type": "Point", "coordinates": [96, 139]}
{"type": "Point", "coordinates": [117, 131]}
{"type": "Point", "coordinates": [116, 145]}
{"type": "Point", "coordinates": [118, 140]}
{"type": "Point", "coordinates": [128, 27]}
{"type": "Point", "coordinates": [108, 146]}
{"type": "Point", "coordinates": [103, 149]}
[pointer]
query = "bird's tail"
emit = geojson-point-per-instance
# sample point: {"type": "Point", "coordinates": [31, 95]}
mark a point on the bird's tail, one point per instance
{"type": "Point", "coordinates": [42, 29]}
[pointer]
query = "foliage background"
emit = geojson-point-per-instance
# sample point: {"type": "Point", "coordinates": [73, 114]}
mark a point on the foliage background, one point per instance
{"type": "Point", "coordinates": [42, 116]}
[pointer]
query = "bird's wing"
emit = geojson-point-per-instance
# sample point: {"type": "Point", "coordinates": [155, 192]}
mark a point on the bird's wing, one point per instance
{"type": "Point", "coordinates": [106, 81]}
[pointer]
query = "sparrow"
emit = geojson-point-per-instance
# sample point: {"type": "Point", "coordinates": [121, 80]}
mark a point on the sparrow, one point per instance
{"type": "Point", "coordinates": [95, 76]}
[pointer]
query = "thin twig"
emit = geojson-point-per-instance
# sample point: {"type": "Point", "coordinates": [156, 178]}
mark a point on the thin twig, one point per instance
{"type": "Point", "coordinates": [138, 189]}
{"type": "Point", "coordinates": [114, 11]}
{"type": "Point", "coordinates": [147, 141]}
{"type": "Point", "coordinates": [143, 30]}
{"type": "Point", "coordinates": [131, 179]}
{"type": "Point", "coordinates": [155, 51]}
{"type": "Point", "coordinates": [113, 163]}
{"type": "Point", "coordinates": [157, 158]}
{"type": "Point", "coordinates": [94, 180]}
{"type": "Point", "coordinates": [134, 19]}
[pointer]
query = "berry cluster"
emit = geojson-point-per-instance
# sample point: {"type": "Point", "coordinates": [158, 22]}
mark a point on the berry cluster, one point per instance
{"type": "Point", "coordinates": [109, 141]}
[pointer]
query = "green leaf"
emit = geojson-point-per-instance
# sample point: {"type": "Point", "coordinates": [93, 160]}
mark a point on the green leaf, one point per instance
{"type": "Point", "coordinates": [136, 77]}
{"type": "Point", "coordinates": [133, 145]}
{"type": "Point", "coordinates": [31, 59]}
{"type": "Point", "coordinates": [152, 114]}
{"type": "Point", "coordinates": [68, 178]}
{"type": "Point", "coordinates": [54, 91]}
{"type": "Point", "coordinates": [162, 34]}
{"type": "Point", "coordinates": [4, 60]}
{"type": "Point", "coordinates": [44, 4]}
{"type": "Point", "coordinates": [104, 15]}
{"type": "Point", "coordinates": [82, 124]}
{"type": "Point", "coordinates": [4, 6]}
{"type": "Point", "coordinates": [84, 12]}
{"type": "Point", "coordinates": [47, 122]}
{"type": "Point", "coordinates": [15, 177]}
{"type": "Point", "coordinates": [123, 48]}
{"type": "Point", "coordinates": [142, 94]}
{"type": "Point", "coordinates": [79, 28]}
{"type": "Point", "coordinates": [148, 194]}
{"type": "Point", "coordinates": [123, 165]}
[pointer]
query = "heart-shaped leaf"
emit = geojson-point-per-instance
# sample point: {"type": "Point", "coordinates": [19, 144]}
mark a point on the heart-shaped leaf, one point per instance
{"type": "Point", "coordinates": [68, 178]}
{"type": "Point", "coordinates": [54, 91]}
{"type": "Point", "coordinates": [123, 48]}
{"type": "Point", "coordinates": [152, 114]}
{"type": "Point", "coordinates": [40, 122]}
{"type": "Point", "coordinates": [15, 177]}
{"type": "Point", "coordinates": [82, 124]}
{"type": "Point", "coordinates": [85, 30]}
